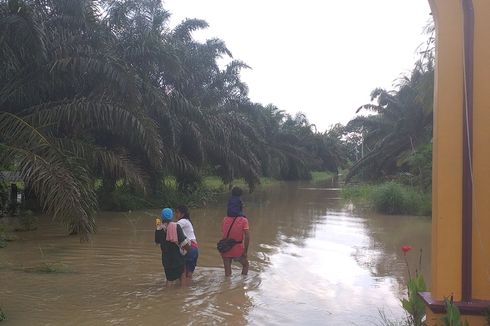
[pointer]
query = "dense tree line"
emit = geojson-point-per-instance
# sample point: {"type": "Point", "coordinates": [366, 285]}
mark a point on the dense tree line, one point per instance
{"type": "Point", "coordinates": [102, 91]}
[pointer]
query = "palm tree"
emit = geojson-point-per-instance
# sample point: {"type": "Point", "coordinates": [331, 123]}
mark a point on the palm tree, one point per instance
{"type": "Point", "coordinates": [69, 107]}
{"type": "Point", "coordinates": [402, 122]}
{"type": "Point", "coordinates": [105, 90]}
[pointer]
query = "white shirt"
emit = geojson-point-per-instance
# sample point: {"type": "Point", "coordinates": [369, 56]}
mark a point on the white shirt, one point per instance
{"type": "Point", "coordinates": [186, 226]}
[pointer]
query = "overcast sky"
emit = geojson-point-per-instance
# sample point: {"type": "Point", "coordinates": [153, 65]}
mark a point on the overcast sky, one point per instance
{"type": "Point", "coordinates": [320, 57]}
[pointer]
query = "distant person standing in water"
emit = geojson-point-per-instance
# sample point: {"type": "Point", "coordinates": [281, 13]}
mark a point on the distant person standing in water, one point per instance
{"type": "Point", "coordinates": [172, 240]}
{"type": "Point", "coordinates": [235, 226]}
{"type": "Point", "coordinates": [184, 220]}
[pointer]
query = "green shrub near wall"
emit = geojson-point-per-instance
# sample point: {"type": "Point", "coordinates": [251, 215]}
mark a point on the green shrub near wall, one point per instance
{"type": "Point", "coordinates": [391, 198]}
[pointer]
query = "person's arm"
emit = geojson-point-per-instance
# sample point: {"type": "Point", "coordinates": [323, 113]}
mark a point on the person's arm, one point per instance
{"type": "Point", "coordinates": [246, 241]}
{"type": "Point", "coordinates": [183, 241]}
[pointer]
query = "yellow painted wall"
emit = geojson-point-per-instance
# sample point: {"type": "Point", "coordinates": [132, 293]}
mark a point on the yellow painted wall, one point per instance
{"type": "Point", "coordinates": [447, 154]}
{"type": "Point", "coordinates": [447, 150]}
{"type": "Point", "coordinates": [481, 157]}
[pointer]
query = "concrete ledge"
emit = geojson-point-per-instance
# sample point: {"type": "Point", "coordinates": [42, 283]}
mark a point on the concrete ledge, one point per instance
{"type": "Point", "coordinates": [474, 307]}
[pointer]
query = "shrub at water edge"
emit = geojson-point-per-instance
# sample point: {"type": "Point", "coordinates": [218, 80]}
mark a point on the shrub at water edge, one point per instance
{"type": "Point", "coordinates": [390, 198]}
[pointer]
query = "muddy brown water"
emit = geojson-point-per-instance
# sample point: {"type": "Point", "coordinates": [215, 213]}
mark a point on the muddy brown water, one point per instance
{"type": "Point", "coordinates": [315, 260]}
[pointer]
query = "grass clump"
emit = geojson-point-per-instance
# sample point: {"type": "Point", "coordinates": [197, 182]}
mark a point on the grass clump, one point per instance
{"type": "Point", "coordinates": [3, 316]}
{"type": "Point", "coordinates": [27, 221]}
{"type": "Point", "coordinates": [321, 176]}
{"type": "Point", "coordinates": [357, 192]}
{"type": "Point", "coordinates": [3, 236]}
{"type": "Point", "coordinates": [390, 198]}
{"type": "Point", "coordinates": [48, 268]}
{"type": "Point", "coordinates": [6, 236]}
{"type": "Point", "coordinates": [215, 184]}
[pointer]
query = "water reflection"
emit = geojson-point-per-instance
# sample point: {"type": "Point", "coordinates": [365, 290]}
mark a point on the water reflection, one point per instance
{"type": "Point", "coordinates": [387, 234]}
{"type": "Point", "coordinates": [314, 260]}
{"type": "Point", "coordinates": [328, 265]}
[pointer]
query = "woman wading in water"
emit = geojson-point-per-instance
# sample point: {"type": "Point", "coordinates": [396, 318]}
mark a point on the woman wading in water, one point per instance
{"type": "Point", "coordinates": [184, 220]}
{"type": "Point", "coordinates": [172, 240]}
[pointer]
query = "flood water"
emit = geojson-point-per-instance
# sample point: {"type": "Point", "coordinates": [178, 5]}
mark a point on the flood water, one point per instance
{"type": "Point", "coordinates": [315, 260]}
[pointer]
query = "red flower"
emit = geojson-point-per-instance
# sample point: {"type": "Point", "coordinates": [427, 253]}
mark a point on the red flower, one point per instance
{"type": "Point", "coordinates": [406, 249]}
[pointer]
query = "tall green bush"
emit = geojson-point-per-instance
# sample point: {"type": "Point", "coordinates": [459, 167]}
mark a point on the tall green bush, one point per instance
{"type": "Point", "coordinates": [393, 198]}
{"type": "Point", "coordinates": [390, 198]}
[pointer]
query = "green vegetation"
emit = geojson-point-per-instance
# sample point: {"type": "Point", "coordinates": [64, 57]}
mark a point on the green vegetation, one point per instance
{"type": "Point", "coordinates": [394, 144]}
{"type": "Point", "coordinates": [413, 305]}
{"type": "Point", "coordinates": [5, 235]}
{"type": "Point", "coordinates": [125, 198]}
{"type": "Point", "coordinates": [393, 198]}
{"type": "Point", "coordinates": [217, 185]}
{"type": "Point", "coordinates": [320, 176]}
{"type": "Point", "coordinates": [48, 268]}
{"type": "Point", "coordinates": [390, 198]}
{"type": "Point", "coordinates": [452, 316]}
{"type": "Point", "coordinates": [3, 197]}
{"type": "Point", "coordinates": [360, 193]}
{"type": "Point", "coordinates": [395, 141]}
{"type": "Point", "coordinates": [102, 103]}
{"type": "Point", "coordinates": [3, 316]}
{"type": "Point", "coordinates": [95, 93]}
{"type": "Point", "coordinates": [27, 221]}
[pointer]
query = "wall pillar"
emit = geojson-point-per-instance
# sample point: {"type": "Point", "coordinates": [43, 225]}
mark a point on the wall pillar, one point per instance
{"type": "Point", "coordinates": [461, 268]}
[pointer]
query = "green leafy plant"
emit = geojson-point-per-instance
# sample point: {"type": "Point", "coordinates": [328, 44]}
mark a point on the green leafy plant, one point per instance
{"type": "Point", "coordinates": [413, 304]}
{"type": "Point", "coordinates": [47, 267]}
{"type": "Point", "coordinates": [452, 316]}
